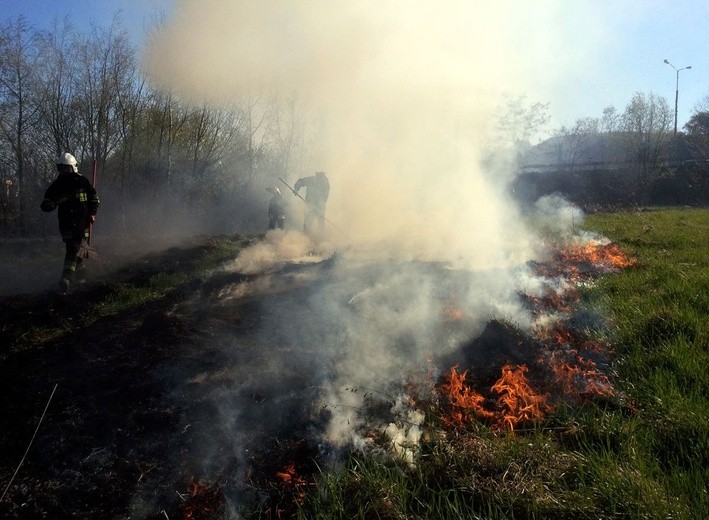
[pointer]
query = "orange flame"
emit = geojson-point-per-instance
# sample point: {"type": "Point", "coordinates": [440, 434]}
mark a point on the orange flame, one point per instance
{"type": "Point", "coordinates": [463, 398]}
{"type": "Point", "coordinates": [608, 255]}
{"type": "Point", "coordinates": [287, 474]}
{"type": "Point", "coordinates": [579, 376]}
{"type": "Point", "coordinates": [204, 500]}
{"type": "Point", "coordinates": [518, 402]}
{"type": "Point", "coordinates": [556, 334]}
{"type": "Point", "coordinates": [290, 478]}
{"type": "Point", "coordinates": [560, 335]}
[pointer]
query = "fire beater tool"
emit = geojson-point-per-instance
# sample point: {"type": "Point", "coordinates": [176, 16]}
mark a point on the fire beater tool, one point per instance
{"type": "Point", "coordinates": [86, 250]}
{"type": "Point", "coordinates": [301, 198]}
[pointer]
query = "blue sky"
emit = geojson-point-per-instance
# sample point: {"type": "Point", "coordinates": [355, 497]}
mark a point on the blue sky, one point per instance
{"type": "Point", "coordinates": [136, 15]}
{"type": "Point", "coordinates": [607, 49]}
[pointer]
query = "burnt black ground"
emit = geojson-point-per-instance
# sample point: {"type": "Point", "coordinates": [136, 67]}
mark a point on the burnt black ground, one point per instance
{"type": "Point", "coordinates": [123, 434]}
{"type": "Point", "coordinates": [195, 387]}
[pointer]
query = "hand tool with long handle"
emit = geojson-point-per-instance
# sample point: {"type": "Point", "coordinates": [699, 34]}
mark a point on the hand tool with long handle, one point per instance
{"type": "Point", "coordinates": [301, 198]}
{"type": "Point", "coordinates": [87, 250]}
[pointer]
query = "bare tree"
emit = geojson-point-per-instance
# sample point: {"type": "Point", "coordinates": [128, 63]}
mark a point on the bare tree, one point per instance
{"type": "Point", "coordinates": [131, 106]}
{"type": "Point", "coordinates": [210, 134]}
{"type": "Point", "coordinates": [286, 129]}
{"type": "Point", "coordinates": [520, 121]}
{"type": "Point", "coordinates": [702, 105]}
{"type": "Point", "coordinates": [55, 88]}
{"type": "Point", "coordinates": [17, 112]}
{"type": "Point", "coordinates": [62, 90]}
{"type": "Point", "coordinates": [646, 122]}
{"type": "Point", "coordinates": [105, 65]}
{"type": "Point", "coordinates": [577, 144]}
{"type": "Point", "coordinates": [610, 120]}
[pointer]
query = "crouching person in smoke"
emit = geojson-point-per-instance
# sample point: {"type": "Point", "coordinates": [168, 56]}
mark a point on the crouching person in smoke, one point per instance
{"type": "Point", "coordinates": [318, 190]}
{"type": "Point", "coordinates": [77, 203]}
{"type": "Point", "coordinates": [276, 209]}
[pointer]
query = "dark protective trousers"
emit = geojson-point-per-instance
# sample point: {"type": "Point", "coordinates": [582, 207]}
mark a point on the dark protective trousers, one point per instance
{"type": "Point", "coordinates": [72, 261]}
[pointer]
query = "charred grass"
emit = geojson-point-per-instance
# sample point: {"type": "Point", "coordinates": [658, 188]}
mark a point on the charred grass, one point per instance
{"type": "Point", "coordinates": [644, 454]}
{"type": "Point", "coordinates": [103, 344]}
{"type": "Point", "coordinates": [640, 454]}
{"type": "Point", "coordinates": [33, 320]}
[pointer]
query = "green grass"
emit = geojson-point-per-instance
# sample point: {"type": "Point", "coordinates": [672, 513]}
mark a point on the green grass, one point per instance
{"type": "Point", "coordinates": [125, 296]}
{"type": "Point", "coordinates": [645, 456]}
{"type": "Point", "coordinates": [118, 299]}
{"type": "Point", "coordinates": [660, 312]}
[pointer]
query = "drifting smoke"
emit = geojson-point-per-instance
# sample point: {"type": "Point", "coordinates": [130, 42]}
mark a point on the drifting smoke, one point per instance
{"type": "Point", "coordinates": [402, 99]}
{"type": "Point", "coordinates": [556, 212]}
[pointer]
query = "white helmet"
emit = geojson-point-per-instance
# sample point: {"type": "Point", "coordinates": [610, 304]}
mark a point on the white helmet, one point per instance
{"type": "Point", "coordinates": [274, 190]}
{"type": "Point", "coordinates": [67, 158]}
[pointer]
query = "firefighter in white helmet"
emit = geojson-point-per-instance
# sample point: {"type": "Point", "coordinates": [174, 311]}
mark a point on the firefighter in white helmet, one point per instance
{"type": "Point", "coordinates": [77, 203]}
{"type": "Point", "coordinates": [276, 209]}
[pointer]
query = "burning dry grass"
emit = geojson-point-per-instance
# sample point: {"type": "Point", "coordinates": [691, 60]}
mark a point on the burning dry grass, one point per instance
{"type": "Point", "coordinates": [202, 501]}
{"type": "Point", "coordinates": [464, 400]}
{"type": "Point", "coordinates": [530, 374]}
{"type": "Point", "coordinates": [579, 376]}
{"type": "Point", "coordinates": [293, 483]}
{"type": "Point", "coordinates": [556, 366]}
{"type": "Point", "coordinates": [573, 450]}
{"type": "Point", "coordinates": [517, 401]}
{"type": "Point", "coordinates": [581, 260]}
{"type": "Point", "coordinates": [570, 359]}
{"type": "Point", "coordinates": [606, 255]}
{"type": "Point", "coordinates": [627, 437]}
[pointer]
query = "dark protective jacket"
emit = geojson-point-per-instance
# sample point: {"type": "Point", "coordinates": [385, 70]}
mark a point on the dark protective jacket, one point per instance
{"type": "Point", "coordinates": [76, 200]}
{"type": "Point", "coordinates": [277, 212]}
{"type": "Point", "coordinates": [318, 189]}
{"type": "Point", "coordinates": [277, 207]}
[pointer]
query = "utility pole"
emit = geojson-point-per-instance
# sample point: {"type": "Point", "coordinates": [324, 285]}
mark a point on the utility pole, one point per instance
{"type": "Point", "coordinates": [677, 88]}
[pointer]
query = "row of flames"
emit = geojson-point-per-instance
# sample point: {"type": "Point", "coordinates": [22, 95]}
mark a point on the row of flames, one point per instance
{"type": "Point", "coordinates": [565, 353]}
{"type": "Point", "coordinates": [518, 401]}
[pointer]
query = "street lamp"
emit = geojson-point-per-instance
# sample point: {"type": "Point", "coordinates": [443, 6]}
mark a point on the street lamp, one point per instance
{"type": "Point", "coordinates": [677, 88]}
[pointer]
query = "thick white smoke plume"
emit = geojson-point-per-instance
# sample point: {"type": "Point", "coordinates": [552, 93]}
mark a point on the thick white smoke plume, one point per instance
{"type": "Point", "coordinates": [403, 98]}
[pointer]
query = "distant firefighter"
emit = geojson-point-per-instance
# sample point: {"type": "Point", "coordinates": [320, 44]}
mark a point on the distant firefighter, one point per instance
{"type": "Point", "coordinates": [276, 209]}
{"type": "Point", "coordinates": [318, 190]}
{"type": "Point", "coordinates": [77, 204]}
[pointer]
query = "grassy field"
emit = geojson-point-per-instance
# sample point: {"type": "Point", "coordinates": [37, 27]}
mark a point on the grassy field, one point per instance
{"type": "Point", "coordinates": [644, 456]}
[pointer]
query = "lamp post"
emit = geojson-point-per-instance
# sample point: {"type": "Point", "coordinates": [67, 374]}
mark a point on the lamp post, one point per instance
{"type": "Point", "coordinates": [677, 88]}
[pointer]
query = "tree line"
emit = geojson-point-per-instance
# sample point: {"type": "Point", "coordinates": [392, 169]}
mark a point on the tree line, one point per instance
{"type": "Point", "coordinates": [62, 90]}
{"type": "Point", "coordinates": [622, 158]}
{"type": "Point", "coordinates": [84, 92]}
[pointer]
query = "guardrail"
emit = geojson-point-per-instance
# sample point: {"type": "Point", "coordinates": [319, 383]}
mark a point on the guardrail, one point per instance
{"type": "Point", "coordinates": [596, 165]}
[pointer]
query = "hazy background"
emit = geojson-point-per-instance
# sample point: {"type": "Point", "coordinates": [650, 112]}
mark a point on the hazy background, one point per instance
{"type": "Point", "coordinates": [607, 50]}
{"type": "Point", "coordinates": [401, 98]}
{"type": "Point", "coordinates": [401, 103]}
